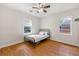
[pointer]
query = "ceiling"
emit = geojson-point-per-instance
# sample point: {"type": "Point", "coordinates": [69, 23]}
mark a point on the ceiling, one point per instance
{"type": "Point", "coordinates": [55, 8]}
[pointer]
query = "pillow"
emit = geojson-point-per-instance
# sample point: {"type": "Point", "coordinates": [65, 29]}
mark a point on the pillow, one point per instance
{"type": "Point", "coordinates": [43, 33]}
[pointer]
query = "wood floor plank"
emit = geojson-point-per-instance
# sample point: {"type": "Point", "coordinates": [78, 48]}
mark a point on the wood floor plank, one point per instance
{"type": "Point", "coordinates": [45, 48]}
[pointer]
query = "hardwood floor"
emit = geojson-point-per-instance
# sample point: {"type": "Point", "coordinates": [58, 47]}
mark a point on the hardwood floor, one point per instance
{"type": "Point", "coordinates": [45, 48]}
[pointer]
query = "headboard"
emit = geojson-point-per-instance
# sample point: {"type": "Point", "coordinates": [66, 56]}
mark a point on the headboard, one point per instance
{"type": "Point", "coordinates": [47, 30]}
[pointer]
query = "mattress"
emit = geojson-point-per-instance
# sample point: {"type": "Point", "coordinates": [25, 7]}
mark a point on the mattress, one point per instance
{"type": "Point", "coordinates": [36, 37]}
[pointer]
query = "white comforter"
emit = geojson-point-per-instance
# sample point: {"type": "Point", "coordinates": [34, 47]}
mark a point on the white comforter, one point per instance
{"type": "Point", "coordinates": [36, 37]}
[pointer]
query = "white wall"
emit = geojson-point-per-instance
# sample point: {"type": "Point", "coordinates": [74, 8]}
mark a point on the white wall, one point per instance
{"type": "Point", "coordinates": [35, 23]}
{"type": "Point", "coordinates": [12, 25]}
{"type": "Point", "coordinates": [51, 22]}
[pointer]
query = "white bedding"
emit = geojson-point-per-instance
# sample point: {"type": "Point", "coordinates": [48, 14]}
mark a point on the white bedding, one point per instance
{"type": "Point", "coordinates": [36, 37]}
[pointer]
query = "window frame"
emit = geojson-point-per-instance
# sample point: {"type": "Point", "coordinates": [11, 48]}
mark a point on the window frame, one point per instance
{"type": "Point", "coordinates": [63, 18]}
{"type": "Point", "coordinates": [29, 25]}
{"type": "Point", "coordinates": [29, 29]}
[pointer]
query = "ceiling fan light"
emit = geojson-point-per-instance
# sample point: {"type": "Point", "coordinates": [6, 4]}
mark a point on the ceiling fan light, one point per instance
{"type": "Point", "coordinates": [41, 10]}
{"type": "Point", "coordinates": [41, 7]}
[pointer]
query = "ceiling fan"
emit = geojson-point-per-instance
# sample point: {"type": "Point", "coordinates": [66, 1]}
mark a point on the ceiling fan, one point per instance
{"type": "Point", "coordinates": [41, 7]}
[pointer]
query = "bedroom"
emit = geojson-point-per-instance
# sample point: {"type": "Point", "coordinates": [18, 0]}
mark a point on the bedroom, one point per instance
{"type": "Point", "coordinates": [15, 16]}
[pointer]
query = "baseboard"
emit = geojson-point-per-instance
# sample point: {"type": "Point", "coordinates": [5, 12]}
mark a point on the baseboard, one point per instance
{"type": "Point", "coordinates": [12, 44]}
{"type": "Point", "coordinates": [66, 43]}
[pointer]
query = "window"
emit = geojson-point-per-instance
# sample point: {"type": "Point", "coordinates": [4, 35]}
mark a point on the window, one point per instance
{"type": "Point", "coordinates": [27, 29]}
{"type": "Point", "coordinates": [65, 25]}
{"type": "Point", "coordinates": [27, 26]}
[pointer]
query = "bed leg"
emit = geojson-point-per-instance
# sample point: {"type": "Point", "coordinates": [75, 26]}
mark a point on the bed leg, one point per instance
{"type": "Point", "coordinates": [34, 44]}
{"type": "Point", "coordinates": [49, 38]}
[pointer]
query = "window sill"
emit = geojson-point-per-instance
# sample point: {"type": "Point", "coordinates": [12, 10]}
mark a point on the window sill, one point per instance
{"type": "Point", "coordinates": [65, 33]}
{"type": "Point", "coordinates": [27, 33]}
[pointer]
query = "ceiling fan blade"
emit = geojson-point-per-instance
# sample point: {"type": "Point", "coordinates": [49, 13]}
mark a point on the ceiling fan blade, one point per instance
{"type": "Point", "coordinates": [44, 11]}
{"type": "Point", "coordinates": [37, 11]}
{"type": "Point", "coordinates": [35, 7]}
{"type": "Point", "coordinates": [30, 10]}
{"type": "Point", "coordinates": [39, 4]}
{"type": "Point", "coordinates": [48, 6]}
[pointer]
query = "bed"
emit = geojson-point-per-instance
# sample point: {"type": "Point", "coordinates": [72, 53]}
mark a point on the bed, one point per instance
{"type": "Point", "coordinates": [35, 38]}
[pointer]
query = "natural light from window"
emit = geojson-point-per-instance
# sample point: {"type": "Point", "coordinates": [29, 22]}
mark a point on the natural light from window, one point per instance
{"type": "Point", "coordinates": [65, 25]}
